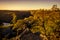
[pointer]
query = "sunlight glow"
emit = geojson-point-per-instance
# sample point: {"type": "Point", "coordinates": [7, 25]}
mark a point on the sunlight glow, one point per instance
{"type": "Point", "coordinates": [26, 5]}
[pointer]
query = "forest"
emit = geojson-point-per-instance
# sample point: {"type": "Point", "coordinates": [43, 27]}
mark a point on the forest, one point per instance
{"type": "Point", "coordinates": [39, 24]}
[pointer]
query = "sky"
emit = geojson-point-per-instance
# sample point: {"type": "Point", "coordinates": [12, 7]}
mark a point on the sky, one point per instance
{"type": "Point", "coordinates": [27, 4]}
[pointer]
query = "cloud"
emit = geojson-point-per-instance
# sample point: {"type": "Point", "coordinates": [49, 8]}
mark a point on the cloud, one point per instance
{"type": "Point", "coordinates": [29, 0]}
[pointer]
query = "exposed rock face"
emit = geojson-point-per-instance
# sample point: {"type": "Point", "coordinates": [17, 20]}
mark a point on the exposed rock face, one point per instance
{"type": "Point", "coordinates": [30, 36]}
{"type": "Point", "coordinates": [11, 35]}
